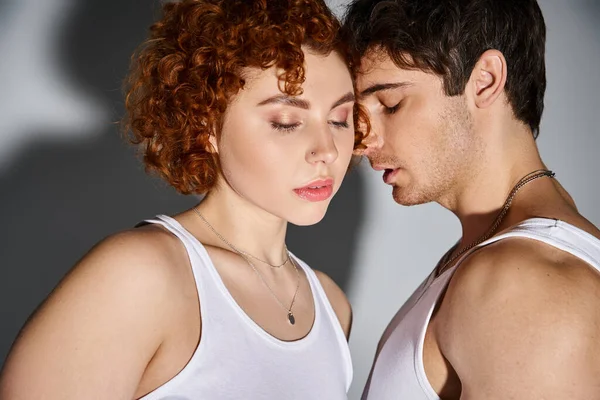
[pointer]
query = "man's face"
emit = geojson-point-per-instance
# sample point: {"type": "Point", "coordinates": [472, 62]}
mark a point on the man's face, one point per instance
{"type": "Point", "coordinates": [422, 139]}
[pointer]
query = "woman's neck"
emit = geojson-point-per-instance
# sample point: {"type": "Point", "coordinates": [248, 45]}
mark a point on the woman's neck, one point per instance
{"type": "Point", "coordinates": [242, 224]}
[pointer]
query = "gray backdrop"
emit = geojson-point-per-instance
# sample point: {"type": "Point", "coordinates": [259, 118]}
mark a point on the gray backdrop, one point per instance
{"type": "Point", "coordinates": [68, 179]}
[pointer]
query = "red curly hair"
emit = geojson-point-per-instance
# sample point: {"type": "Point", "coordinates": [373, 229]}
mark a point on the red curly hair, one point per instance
{"type": "Point", "coordinates": [185, 74]}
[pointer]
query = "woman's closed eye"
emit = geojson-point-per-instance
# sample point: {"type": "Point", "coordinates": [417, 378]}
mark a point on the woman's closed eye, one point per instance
{"type": "Point", "coordinates": [340, 124]}
{"type": "Point", "coordinates": [284, 127]}
{"type": "Point", "coordinates": [341, 118]}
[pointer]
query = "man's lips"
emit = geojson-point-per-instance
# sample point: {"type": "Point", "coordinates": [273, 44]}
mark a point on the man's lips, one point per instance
{"type": "Point", "coordinates": [317, 190]}
{"type": "Point", "coordinates": [390, 175]}
{"type": "Point", "coordinates": [377, 167]}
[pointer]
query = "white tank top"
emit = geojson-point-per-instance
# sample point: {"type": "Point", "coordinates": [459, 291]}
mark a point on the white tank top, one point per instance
{"type": "Point", "coordinates": [398, 372]}
{"type": "Point", "coordinates": [237, 359]}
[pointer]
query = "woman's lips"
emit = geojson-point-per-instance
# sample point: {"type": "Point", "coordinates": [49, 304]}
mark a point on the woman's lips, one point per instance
{"type": "Point", "coordinates": [318, 190]}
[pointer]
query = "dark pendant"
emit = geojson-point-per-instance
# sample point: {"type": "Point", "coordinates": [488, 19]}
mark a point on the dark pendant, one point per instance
{"type": "Point", "coordinates": [291, 318]}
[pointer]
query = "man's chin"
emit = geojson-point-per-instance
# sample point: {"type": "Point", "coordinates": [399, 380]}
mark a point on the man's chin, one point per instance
{"type": "Point", "coordinates": [407, 197]}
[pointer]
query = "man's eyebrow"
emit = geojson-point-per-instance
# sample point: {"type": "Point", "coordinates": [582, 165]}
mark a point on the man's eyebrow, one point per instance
{"type": "Point", "coordinates": [378, 87]}
{"type": "Point", "coordinates": [347, 98]}
{"type": "Point", "coordinates": [286, 100]}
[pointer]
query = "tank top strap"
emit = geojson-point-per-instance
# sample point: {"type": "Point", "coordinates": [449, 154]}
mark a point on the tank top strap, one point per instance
{"type": "Point", "coordinates": [196, 252]}
{"type": "Point", "coordinates": [328, 314]}
{"type": "Point", "coordinates": [553, 232]}
{"type": "Point", "coordinates": [562, 235]}
{"type": "Point", "coordinates": [205, 275]}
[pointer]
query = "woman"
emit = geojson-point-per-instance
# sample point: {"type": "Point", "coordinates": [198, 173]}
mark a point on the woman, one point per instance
{"type": "Point", "coordinates": [250, 103]}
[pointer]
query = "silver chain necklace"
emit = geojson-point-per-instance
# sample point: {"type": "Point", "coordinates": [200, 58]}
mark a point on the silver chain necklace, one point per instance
{"type": "Point", "coordinates": [287, 258]}
{"type": "Point", "coordinates": [507, 203]}
{"type": "Point", "coordinates": [290, 315]}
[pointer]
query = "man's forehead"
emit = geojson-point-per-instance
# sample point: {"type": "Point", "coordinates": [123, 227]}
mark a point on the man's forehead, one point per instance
{"type": "Point", "coordinates": [378, 68]}
{"type": "Point", "coordinates": [374, 57]}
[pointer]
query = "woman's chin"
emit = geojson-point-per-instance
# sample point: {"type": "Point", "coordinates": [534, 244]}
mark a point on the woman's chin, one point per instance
{"type": "Point", "coordinates": [310, 217]}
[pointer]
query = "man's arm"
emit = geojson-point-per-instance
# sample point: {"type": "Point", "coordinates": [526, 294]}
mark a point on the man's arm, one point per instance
{"type": "Point", "coordinates": [521, 320]}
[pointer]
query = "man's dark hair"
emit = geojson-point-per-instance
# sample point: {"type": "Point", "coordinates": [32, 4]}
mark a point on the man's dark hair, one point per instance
{"type": "Point", "coordinates": [447, 37]}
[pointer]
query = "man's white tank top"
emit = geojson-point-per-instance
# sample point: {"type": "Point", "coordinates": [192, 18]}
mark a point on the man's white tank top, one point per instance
{"type": "Point", "coordinates": [398, 372]}
{"type": "Point", "coordinates": [237, 359]}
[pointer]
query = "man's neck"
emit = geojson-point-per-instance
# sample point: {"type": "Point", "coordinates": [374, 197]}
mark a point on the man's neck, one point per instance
{"type": "Point", "coordinates": [478, 200]}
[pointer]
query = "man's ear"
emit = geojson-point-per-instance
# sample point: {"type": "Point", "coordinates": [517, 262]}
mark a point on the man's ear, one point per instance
{"type": "Point", "coordinates": [488, 78]}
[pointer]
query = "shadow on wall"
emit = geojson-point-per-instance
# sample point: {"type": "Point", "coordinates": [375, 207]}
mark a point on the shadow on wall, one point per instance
{"type": "Point", "coordinates": [60, 196]}
{"type": "Point", "coordinates": [592, 8]}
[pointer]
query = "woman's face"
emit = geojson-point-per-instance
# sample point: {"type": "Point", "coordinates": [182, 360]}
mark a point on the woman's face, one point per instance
{"type": "Point", "coordinates": [287, 154]}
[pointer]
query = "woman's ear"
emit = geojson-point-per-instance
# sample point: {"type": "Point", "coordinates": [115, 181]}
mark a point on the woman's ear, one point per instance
{"type": "Point", "coordinates": [212, 146]}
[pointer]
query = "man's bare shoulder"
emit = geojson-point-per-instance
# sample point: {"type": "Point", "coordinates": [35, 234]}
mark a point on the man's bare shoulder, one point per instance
{"type": "Point", "coordinates": [524, 265]}
{"type": "Point", "coordinates": [522, 302]}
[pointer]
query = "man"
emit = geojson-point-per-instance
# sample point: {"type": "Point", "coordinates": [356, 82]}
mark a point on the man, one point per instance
{"type": "Point", "coordinates": [454, 90]}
